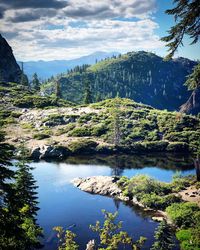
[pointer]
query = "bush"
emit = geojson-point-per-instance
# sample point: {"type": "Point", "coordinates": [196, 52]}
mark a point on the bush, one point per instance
{"type": "Point", "coordinates": [41, 136]}
{"type": "Point", "coordinates": [34, 101]}
{"type": "Point", "coordinates": [182, 214]}
{"type": "Point", "coordinates": [189, 238]}
{"type": "Point", "coordinates": [83, 146]}
{"type": "Point", "coordinates": [177, 147]}
{"type": "Point", "coordinates": [155, 201]}
{"type": "Point", "coordinates": [99, 130]}
{"type": "Point", "coordinates": [80, 131]}
{"type": "Point", "coordinates": [157, 146]}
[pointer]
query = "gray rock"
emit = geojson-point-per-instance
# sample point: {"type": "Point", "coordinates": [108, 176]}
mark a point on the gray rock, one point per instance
{"type": "Point", "coordinates": [10, 70]}
{"type": "Point", "coordinates": [35, 154]}
{"type": "Point", "coordinates": [103, 185]}
{"type": "Point", "coordinates": [57, 152]}
{"type": "Point", "coordinates": [91, 245]}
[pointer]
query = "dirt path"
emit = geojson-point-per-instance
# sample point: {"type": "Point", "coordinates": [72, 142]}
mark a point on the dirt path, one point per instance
{"type": "Point", "coordinates": [191, 194]}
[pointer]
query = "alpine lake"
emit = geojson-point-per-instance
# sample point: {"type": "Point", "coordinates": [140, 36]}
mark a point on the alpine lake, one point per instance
{"type": "Point", "coordinates": [62, 204]}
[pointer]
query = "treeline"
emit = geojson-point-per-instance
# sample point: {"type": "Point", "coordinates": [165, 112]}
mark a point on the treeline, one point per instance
{"type": "Point", "coordinates": [141, 76]}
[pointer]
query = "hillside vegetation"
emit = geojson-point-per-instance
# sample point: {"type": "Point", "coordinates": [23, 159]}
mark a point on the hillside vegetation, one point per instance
{"type": "Point", "coordinates": [104, 127]}
{"type": "Point", "coordinates": [141, 76]}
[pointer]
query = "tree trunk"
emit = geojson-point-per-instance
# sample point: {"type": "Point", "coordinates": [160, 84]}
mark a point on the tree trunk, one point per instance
{"type": "Point", "coordinates": [197, 167]}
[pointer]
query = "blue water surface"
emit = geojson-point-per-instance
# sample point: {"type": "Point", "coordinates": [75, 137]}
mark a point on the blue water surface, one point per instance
{"type": "Point", "coordinates": [62, 204]}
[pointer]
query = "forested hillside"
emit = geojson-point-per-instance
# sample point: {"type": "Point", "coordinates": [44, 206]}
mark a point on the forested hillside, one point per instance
{"type": "Point", "coordinates": [141, 76]}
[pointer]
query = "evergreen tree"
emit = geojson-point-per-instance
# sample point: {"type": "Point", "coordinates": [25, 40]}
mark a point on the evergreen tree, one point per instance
{"type": "Point", "coordinates": [58, 91]}
{"type": "Point", "coordinates": [36, 82]}
{"type": "Point", "coordinates": [11, 233]}
{"type": "Point", "coordinates": [1, 76]}
{"type": "Point", "coordinates": [26, 195]}
{"type": "Point", "coordinates": [24, 80]}
{"type": "Point", "coordinates": [193, 80]}
{"type": "Point", "coordinates": [187, 18]}
{"type": "Point", "coordinates": [164, 237]}
{"type": "Point", "coordinates": [117, 133]}
{"type": "Point", "coordinates": [87, 94]}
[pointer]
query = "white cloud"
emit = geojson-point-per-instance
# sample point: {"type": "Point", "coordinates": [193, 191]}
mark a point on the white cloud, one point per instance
{"type": "Point", "coordinates": [81, 28]}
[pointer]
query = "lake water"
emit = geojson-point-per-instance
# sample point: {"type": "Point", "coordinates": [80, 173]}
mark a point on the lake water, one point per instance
{"type": "Point", "coordinates": [62, 204]}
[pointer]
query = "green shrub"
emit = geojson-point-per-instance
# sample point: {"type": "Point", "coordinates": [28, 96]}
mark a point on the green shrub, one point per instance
{"type": "Point", "coordinates": [182, 214]}
{"type": "Point", "coordinates": [99, 130]}
{"type": "Point", "coordinates": [83, 146]}
{"type": "Point", "coordinates": [34, 101]}
{"type": "Point", "coordinates": [16, 114]}
{"type": "Point", "coordinates": [181, 182]}
{"type": "Point", "coordinates": [27, 126]}
{"type": "Point", "coordinates": [189, 238]}
{"type": "Point", "coordinates": [177, 147]}
{"type": "Point", "coordinates": [155, 146]}
{"type": "Point", "coordinates": [41, 136]}
{"type": "Point", "coordinates": [80, 131]}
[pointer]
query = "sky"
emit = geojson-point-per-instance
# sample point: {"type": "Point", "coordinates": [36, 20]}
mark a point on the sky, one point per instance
{"type": "Point", "coordinates": [66, 29]}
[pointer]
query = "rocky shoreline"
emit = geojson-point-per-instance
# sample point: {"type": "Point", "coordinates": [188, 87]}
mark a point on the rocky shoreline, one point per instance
{"type": "Point", "coordinates": [107, 186]}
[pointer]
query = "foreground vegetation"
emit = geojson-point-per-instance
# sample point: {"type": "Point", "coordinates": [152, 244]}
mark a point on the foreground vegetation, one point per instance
{"type": "Point", "coordinates": [18, 204]}
{"type": "Point", "coordinates": [164, 196]}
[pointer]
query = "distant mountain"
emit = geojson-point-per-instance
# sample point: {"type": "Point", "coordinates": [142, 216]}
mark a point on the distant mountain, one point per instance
{"type": "Point", "coordinates": [9, 69]}
{"type": "Point", "coordinates": [141, 76]}
{"type": "Point", "coordinates": [46, 69]}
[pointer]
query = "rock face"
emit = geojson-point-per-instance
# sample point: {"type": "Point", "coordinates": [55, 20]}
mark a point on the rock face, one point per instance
{"type": "Point", "coordinates": [50, 152]}
{"type": "Point", "coordinates": [9, 69]}
{"type": "Point", "coordinates": [192, 106]}
{"type": "Point", "coordinates": [103, 185]}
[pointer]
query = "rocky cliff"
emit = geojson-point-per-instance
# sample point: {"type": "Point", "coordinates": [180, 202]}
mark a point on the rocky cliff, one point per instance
{"type": "Point", "coordinates": [9, 69]}
{"type": "Point", "coordinates": [192, 106]}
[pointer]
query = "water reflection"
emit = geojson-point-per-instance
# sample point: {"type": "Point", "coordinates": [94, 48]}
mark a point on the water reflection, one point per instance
{"type": "Point", "coordinates": [64, 205]}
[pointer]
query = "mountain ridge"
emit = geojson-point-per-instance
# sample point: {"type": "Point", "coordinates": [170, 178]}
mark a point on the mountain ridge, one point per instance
{"type": "Point", "coordinates": [46, 69]}
{"type": "Point", "coordinates": [141, 76]}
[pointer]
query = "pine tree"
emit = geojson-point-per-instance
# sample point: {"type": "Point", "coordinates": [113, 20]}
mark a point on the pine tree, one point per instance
{"type": "Point", "coordinates": [26, 194]}
{"type": "Point", "coordinates": [164, 237]}
{"type": "Point", "coordinates": [10, 229]}
{"type": "Point", "coordinates": [24, 80]}
{"type": "Point", "coordinates": [58, 92]}
{"type": "Point", "coordinates": [36, 82]}
{"type": "Point", "coordinates": [87, 94]}
{"type": "Point", "coordinates": [186, 14]}
{"type": "Point", "coordinates": [193, 80]}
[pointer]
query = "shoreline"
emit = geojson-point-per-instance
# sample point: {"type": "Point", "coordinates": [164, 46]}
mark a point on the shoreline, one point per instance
{"type": "Point", "coordinates": [107, 186]}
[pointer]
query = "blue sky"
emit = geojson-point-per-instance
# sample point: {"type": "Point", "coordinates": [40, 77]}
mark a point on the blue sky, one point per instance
{"type": "Point", "coordinates": [66, 29]}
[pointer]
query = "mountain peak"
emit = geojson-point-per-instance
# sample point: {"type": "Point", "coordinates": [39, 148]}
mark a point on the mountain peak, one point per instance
{"type": "Point", "coordinates": [9, 69]}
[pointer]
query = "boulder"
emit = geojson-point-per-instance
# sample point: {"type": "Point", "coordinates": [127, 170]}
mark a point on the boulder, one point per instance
{"type": "Point", "coordinates": [50, 152]}
{"type": "Point", "coordinates": [57, 152]}
{"type": "Point", "coordinates": [103, 185]}
{"type": "Point", "coordinates": [35, 154]}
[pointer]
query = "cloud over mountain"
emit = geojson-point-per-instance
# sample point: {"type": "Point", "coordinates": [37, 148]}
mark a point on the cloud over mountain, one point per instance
{"type": "Point", "coordinates": [77, 27]}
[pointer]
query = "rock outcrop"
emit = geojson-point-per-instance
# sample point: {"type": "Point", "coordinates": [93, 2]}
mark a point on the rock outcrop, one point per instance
{"type": "Point", "coordinates": [9, 69]}
{"type": "Point", "coordinates": [103, 185]}
{"type": "Point", "coordinates": [107, 186]}
{"type": "Point", "coordinates": [192, 106]}
{"type": "Point", "coordinates": [50, 152]}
